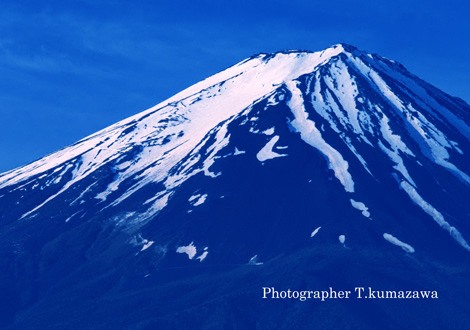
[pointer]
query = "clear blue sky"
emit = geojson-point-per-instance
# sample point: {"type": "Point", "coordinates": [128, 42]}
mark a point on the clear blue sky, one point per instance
{"type": "Point", "coordinates": [70, 68]}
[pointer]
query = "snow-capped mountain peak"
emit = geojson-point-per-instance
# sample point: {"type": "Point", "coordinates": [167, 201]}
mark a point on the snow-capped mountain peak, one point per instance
{"type": "Point", "coordinates": [350, 107]}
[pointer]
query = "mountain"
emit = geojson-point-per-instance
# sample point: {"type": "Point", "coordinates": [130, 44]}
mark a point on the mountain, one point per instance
{"type": "Point", "coordinates": [296, 170]}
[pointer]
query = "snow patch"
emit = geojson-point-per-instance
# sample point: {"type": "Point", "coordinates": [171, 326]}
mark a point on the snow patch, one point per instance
{"type": "Point", "coordinates": [238, 152]}
{"type": "Point", "coordinates": [311, 135]}
{"type": "Point", "coordinates": [435, 214]}
{"type": "Point", "coordinates": [396, 145]}
{"type": "Point", "coordinates": [146, 245]}
{"type": "Point", "coordinates": [361, 207]}
{"type": "Point", "coordinates": [158, 203]}
{"type": "Point", "coordinates": [315, 231]}
{"type": "Point", "coordinates": [201, 200]}
{"type": "Point", "coordinates": [190, 250]}
{"type": "Point", "coordinates": [70, 218]}
{"type": "Point", "coordinates": [395, 241]}
{"type": "Point", "coordinates": [197, 199]}
{"type": "Point", "coordinates": [203, 255]}
{"type": "Point", "coordinates": [267, 151]}
{"type": "Point", "coordinates": [269, 131]}
{"type": "Point", "coordinates": [254, 261]}
{"type": "Point", "coordinates": [113, 186]}
{"type": "Point", "coordinates": [140, 241]}
{"type": "Point", "coordinates": [342, 239]}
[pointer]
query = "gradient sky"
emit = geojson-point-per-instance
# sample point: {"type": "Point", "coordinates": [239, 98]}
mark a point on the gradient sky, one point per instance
{"type": "Point", "coordinates": [70, 68]}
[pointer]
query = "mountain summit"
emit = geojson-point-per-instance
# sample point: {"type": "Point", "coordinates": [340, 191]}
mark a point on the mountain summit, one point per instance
{"type": "Point", "coordinates": [309, 161]}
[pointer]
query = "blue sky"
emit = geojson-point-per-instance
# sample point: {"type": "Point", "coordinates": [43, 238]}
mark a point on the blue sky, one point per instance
{"type": "Point", "coordinates": [70, 68]}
